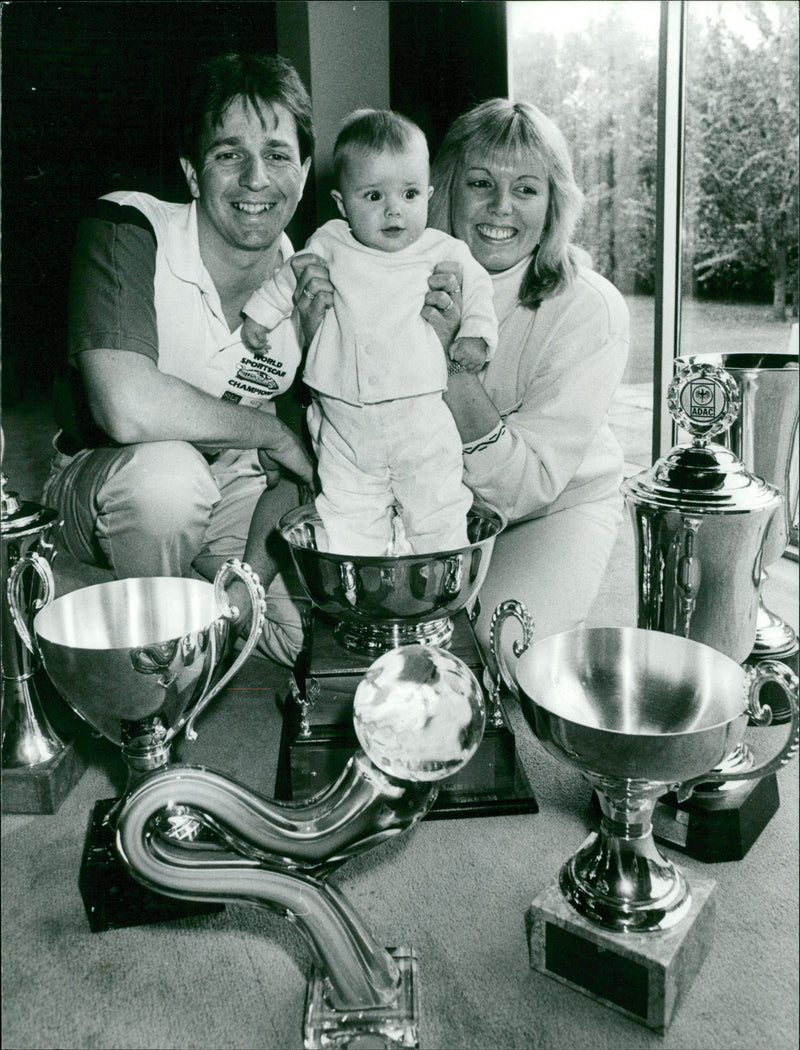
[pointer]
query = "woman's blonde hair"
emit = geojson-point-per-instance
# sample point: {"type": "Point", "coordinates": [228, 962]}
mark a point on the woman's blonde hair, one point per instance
{"type": "Point", "coordinates": [498, 128]}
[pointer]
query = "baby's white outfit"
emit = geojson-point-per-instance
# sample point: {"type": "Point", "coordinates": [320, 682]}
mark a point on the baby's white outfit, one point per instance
{"type": "Point", "coordinates": [383, 436]}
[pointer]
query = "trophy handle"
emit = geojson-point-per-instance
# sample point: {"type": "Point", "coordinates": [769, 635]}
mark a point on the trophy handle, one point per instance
{"type": "Point", "coordinates": [505, 611]}
{"type": "Point", "coordinates": [233, 568]}
{"type": "Point", "coordinates": [42, 569]}
{"type": "Point", "coordinates": [761, 715]}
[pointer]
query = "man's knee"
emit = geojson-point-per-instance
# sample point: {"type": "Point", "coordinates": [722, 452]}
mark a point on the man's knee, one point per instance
{"type": "Point", "coordinates": [167, 484]}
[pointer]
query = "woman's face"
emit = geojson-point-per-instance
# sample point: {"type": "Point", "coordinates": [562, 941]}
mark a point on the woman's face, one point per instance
{"type": "Point", "coordinates": [499, 207]}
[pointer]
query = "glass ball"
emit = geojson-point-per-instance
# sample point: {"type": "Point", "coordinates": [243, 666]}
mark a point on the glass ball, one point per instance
{"type": "Point", "coordinates": [419, 713]}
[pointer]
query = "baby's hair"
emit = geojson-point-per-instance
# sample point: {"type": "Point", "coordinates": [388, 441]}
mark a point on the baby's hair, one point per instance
{"type": "Point", "coordinates": [374, 131]}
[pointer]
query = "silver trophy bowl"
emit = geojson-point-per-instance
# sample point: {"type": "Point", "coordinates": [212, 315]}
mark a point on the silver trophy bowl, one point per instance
{"type": "Point", "coordinates": [381, 603]}
{"type": "Point", "coordinates": [637, 712]}
{"type": "Point", "coordinates": [139, 659]}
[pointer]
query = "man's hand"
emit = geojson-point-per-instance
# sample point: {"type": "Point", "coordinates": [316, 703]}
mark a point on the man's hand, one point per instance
{"type": "Point", "coordinates": [314, 292]}
{"type": "Point", "coordinates": [271, 468]}
{"type": "Point", "coordinates": [286, 451]}
{"type": "Point", "coordinates": [442, 309]}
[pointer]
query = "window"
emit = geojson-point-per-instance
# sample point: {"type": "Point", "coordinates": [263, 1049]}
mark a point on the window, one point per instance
{"type": "Point", "coordinates": [593, 68]}
{"type": "Point", "coordinates": [724, 77]}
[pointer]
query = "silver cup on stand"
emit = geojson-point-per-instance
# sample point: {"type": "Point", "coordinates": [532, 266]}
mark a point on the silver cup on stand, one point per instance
{"type": "Point", "coordinates": [40, 764]}
{"type": "Point", "coordinates": [637, 712]}
{"type": "Point", "coordinates": [765, 437]}
{"type": "Point", "coordinates": [139, 659]}
{"type": "Point", "coordinates": [419, 716]}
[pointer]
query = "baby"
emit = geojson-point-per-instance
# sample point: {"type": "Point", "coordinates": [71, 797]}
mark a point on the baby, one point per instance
{"type": "Point", "coordinates": [385, 441]}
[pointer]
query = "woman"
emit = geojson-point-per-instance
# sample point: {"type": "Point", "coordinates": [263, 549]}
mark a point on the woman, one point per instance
{"type": "Point", "coordinates": [537, 442]}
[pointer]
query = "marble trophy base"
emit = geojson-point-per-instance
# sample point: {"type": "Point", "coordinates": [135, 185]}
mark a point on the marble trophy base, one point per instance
{"type": "Point", "coordinates": [112, 898]}
{"type": "Point", "coordinates": [394, 1025]}
{"type": "Point", "coordinates": [642, 975]}
{"type": "Point", "coordinates": [317, 742]}
{"type": "Point", "coordinates": [43, 787]}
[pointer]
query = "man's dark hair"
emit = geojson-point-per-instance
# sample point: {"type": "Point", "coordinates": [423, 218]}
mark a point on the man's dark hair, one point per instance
{"type": "Point", "coordinates": [261, 79]}
{"type": "Point", "coordinates": [373, 131]}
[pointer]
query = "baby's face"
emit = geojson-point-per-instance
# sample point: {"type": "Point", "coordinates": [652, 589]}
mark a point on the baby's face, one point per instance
{"type": "Point", "coordinates": [384, 197]}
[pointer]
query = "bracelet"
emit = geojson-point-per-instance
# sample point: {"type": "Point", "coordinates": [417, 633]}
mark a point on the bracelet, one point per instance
{"type": "Point", "coordinates": [454, 367]}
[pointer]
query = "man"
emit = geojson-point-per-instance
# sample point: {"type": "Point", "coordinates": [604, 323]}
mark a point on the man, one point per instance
{"type": "Point", "coordinates": [170, 437]}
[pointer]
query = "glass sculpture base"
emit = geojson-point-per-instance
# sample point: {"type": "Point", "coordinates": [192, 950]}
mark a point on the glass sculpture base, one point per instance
{"type": "Point", "coordinates": [376, 1028]}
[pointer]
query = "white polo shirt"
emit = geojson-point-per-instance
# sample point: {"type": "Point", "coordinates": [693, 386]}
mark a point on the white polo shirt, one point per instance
{"type": "Point", "coordinates": [140, 285]}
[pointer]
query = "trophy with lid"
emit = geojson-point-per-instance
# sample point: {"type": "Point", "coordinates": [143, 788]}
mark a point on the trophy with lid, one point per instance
{"type": "Point", "coordinates": [701, 522]}
{"type": "Point", "coordinates": [765, 437]}
{"type": "Point", "coordinates": [40, 766]}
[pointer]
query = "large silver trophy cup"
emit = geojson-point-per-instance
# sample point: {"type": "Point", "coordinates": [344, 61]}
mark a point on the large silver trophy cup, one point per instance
{"type": "Point", "coordinates": [637, 712]}
{"type": "Point", "coordinates": [379, 603]}
{"type": "Point", "coordinates": [419, 716]}
{"type": "Point", "coordinates": [365, 606]}
{"type": "Point", "coordinates": [765, 437]}
{"type": "Point", "coordinates": [139, 659]}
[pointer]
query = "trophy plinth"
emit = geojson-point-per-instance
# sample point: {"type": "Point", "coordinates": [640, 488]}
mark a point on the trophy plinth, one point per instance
{"type": "Point", "coordinates": [112, 898]}
{"type": "Point", "coordinates": [637, 712]}
{"type": "Point", "coordinates": [368, 606]}
{"type": "Point", "coordinates": [634, 973]}
{"type": "Point", "coordinates": [317, 737]}
{"type": "Point", "coordinates": [40, 765]}
{"type": "Point", "coordinates": [717, 825]}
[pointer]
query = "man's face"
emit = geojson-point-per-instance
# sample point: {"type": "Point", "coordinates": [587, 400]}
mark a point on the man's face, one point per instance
{"type": "Point", "coordinates": [384, 197]}
{"type": "Point", "coordinates": [250, 179]}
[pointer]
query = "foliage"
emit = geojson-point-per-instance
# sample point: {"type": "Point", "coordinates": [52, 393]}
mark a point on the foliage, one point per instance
{"type": "Point", "coordinates": [741, 159]}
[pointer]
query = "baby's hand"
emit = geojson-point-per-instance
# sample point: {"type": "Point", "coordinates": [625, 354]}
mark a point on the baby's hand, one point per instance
{"type": "Point", "coordinates": [254, 336]}
{"type": "Point", "coordinates": [469, 352]}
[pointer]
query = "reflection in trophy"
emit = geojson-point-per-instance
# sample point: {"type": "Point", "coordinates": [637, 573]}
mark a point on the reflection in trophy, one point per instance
{"type": "Point", "coordinates": [419, 715]}
{"type": "Point", "coordinates": [39, 766]}
{"type": "Point", "coordinates": [636, 712]}
{"type": "Point", "coordinates": [139, 659]}
{"type": "Point", "coordinates": [765, 438]}
{"type": "Point", "coordinates": [366, 606]}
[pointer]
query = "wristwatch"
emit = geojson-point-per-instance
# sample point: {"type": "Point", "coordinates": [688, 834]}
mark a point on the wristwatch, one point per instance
{"type": "Point", "coordinates": [454, 367]}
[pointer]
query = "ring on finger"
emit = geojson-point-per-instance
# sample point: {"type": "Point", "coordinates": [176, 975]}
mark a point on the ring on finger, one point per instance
{"type": "Point", "coordinates": [311, 295]}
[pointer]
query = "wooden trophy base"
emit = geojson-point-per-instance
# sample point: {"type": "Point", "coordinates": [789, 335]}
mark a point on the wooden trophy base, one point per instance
{"type": "Point", "coordinates": [717, 825]}
{"type": "Point", "coordinates": [317, 743]}
{"type": "Point", "coordinates": [642, 975]}
{"type": "Point", "coordinates": [43, 787]}
{"type": "Point", "coordinates": [112, 898]}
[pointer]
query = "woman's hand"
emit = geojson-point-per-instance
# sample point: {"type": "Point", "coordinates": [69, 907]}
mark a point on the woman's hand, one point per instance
{"type": "Point", "coordinates": [314, 292]}
{"type": "Point", "coordinates": [442, 309]}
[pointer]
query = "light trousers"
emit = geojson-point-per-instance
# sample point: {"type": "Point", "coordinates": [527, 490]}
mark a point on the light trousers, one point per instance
{"type": "Point", "coordinates": [399, 456]}
{"type": "Point", "coordinates": [554, 565]}
{"type": "Point", "coordinates": [161, 509]}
